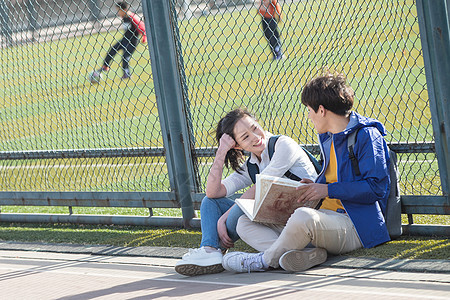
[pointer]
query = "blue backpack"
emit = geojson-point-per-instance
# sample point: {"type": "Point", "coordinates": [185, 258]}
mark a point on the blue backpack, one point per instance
{"type": "Point", "coordinates": [393, 211]}
{"type": "Point", "coordinates": [253, 169]}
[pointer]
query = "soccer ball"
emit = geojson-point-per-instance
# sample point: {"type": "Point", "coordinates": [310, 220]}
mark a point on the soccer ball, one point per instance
{"type": "Point", "coordinates": [95, 77]}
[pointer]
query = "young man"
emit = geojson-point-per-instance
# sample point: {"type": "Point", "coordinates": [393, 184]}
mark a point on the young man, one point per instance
{"type": "Point", "coordinates": [133, 28]}
{"type": "Point", "coordinates": [350, 216]}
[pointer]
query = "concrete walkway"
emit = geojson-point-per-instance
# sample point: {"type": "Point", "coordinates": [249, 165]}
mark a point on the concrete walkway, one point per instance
{"type": "Point", "coordinates": [45, 271]}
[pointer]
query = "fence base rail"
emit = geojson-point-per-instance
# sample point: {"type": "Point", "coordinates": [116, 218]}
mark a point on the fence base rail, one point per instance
{"type": "Point", "coordinates": [97, 219]}
{"type": "Point", "coordinates": [426, 230]}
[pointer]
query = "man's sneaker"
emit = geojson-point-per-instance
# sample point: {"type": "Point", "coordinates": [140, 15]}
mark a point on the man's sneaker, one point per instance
{"type": "Point", "coordinates": [199, 261]}
{"type": "Point", "coordinates": [126, 74]}
{"type": "Point", "coordinates": [244, 262]}
{"type": "Point", "coordinates": [301, 260]}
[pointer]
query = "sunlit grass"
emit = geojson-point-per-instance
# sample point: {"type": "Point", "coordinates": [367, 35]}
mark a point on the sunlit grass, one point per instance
{"type": "Point", "coordinates": [135, 236]}
{"type": "Point", "coordinates": [410, 248]}
{"type": "Point", "coordinates": [126, 236]}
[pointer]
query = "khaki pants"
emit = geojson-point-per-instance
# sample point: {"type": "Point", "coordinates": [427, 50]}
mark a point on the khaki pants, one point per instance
{"type": "Point", "coordinates": [322, 228]}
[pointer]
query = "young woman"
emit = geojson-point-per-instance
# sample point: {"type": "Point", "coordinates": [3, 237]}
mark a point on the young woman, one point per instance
{"type": "Point", "coordinates": [237, 132]}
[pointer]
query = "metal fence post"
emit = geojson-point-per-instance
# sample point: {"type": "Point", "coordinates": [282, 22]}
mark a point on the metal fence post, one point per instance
{"type": "Point", "coordinates": [32, 16]}
{"type": "Point", "coordinates": [434, 33]}
{"type": "Point", "coordinates": [171, 108]}
{"type": "Point", "coordinates": [4, 22]}
{"type": "Point", "coordinates": [94, 9]}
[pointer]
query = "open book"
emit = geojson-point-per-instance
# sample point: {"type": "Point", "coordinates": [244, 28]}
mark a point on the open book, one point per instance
{"type": "Point", "coordinates": [275, 200]}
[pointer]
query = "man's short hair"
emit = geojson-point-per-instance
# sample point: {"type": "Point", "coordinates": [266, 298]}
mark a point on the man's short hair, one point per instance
{"type": "Point", "coordinates": [123, 5]}
{"type": "Point", "coordinates": [331, 91]}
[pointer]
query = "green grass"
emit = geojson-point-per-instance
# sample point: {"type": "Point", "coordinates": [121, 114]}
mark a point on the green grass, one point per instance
{"type": "Point", "coordinates": [134, 236]}
{"type": "Point", "coordinates": [127, 236]}
{"type": "Point", "coordinates": [409, 248]}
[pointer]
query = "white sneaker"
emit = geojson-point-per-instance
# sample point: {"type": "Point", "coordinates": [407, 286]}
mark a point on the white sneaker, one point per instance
{"type": "Point", "coordinates": [244, 262]}
{"type": "Point", "coordinates": [199, 261]}
{"type": "Point", "coordinates": [301, 260]}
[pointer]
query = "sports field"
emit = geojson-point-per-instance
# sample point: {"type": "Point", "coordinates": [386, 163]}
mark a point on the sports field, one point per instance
{"type": "Point", "coordinates": [47, 102]}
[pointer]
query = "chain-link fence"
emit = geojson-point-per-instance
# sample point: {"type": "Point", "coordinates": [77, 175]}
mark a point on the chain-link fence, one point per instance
{"type": "Point", "coordinates": [68, 128]}
{"type": "Point", "coordinates": [93, 133]}
{"type": "Point", "coordinates": [228, 62]}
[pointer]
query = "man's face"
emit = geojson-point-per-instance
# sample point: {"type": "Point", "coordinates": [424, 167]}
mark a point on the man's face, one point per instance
{"type": "Point", "coordinates": [317, 119]}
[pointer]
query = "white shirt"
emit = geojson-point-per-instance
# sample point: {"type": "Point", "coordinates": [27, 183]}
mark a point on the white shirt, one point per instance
{"type": "Point", "coordinates": [288, 155]}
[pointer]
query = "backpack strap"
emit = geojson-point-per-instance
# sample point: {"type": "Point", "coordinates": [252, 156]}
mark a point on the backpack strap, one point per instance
{"type": "Point", "coordinates": [271, 149]}
{"type": "Point", "coordinates": [253, 169]}
{"type": "Point", "coordinates": [292, 176]}
{"type": "Point", "coordinates": [317, 164]}
{"type": "Point", "coordinates": [271, 145]}
{"type": "Point", "coordinates": [351, 141]}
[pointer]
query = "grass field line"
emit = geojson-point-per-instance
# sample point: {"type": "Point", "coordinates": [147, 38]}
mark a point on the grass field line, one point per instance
{"type": "Point", "coordinates": [62, 166]}
{"type": "Point", "coordinates": [104, 119]}
{"type": "Point", "coordinates": [417, 161]}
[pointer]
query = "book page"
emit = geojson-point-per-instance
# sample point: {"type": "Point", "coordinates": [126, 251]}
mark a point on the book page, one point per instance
{"type": "Point", "coordinates": [247, 206]}
{"type": "Point", "coordinates": [264, 184]}
{"type": "Point", "coordinates": [280, 200]}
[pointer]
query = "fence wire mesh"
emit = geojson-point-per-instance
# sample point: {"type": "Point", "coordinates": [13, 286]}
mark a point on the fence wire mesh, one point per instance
{"type": "Point", "coordinates": [230, 61]}
{"type": "Point", "coordinates": [49, 51]}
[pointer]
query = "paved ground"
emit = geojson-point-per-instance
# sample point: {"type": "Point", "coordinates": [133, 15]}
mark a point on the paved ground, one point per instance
{"type": "Point", "coordinates": [42, 271]}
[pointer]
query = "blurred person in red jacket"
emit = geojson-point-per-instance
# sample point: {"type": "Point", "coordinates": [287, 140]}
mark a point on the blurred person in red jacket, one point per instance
{"type": "Point", "coordinates": [270, 12]}
{"type": "Point", "coordinates": [134, 27]}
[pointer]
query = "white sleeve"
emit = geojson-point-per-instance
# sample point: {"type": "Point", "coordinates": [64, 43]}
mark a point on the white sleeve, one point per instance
{"type": "Point", "coordinates": [289, 155]}
{"type": "Point", "coordinates": [285, 155]}
{"type": "Point", "coordinates": [235, 181]}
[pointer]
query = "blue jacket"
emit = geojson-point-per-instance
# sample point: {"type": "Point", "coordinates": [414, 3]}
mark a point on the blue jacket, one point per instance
{"type": "Point", "coordinates": [362, 196]}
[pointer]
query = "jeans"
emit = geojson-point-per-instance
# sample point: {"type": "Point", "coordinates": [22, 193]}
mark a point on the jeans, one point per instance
{"type": "Point", "coordinates": [210, 212]}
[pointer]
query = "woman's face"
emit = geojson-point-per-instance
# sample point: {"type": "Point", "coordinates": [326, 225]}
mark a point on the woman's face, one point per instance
{"type": "Point", "coordinates": [249, 135]}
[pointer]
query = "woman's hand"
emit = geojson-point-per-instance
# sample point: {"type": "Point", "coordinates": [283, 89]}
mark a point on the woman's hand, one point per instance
{"type": "Point", "coordinates": [226, 143]}
{"type": "Point", "coordinates": [224, 239]}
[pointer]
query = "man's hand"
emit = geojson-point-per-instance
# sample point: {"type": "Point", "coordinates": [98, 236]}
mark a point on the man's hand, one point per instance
{"type": "Point", "coordinates": [312, 191]}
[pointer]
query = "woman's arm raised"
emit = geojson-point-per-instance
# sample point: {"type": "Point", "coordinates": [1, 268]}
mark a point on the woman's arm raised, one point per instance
{"type": "Point", "coordinates": [214, 186]}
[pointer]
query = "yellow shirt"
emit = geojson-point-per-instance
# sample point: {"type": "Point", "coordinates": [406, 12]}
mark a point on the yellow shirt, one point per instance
{"type": "Point", "coordinates": [330, 177]}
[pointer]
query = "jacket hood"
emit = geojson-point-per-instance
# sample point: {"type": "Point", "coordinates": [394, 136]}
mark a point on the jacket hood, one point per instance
{"type": "Point", "coordinates": [359, 121]}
